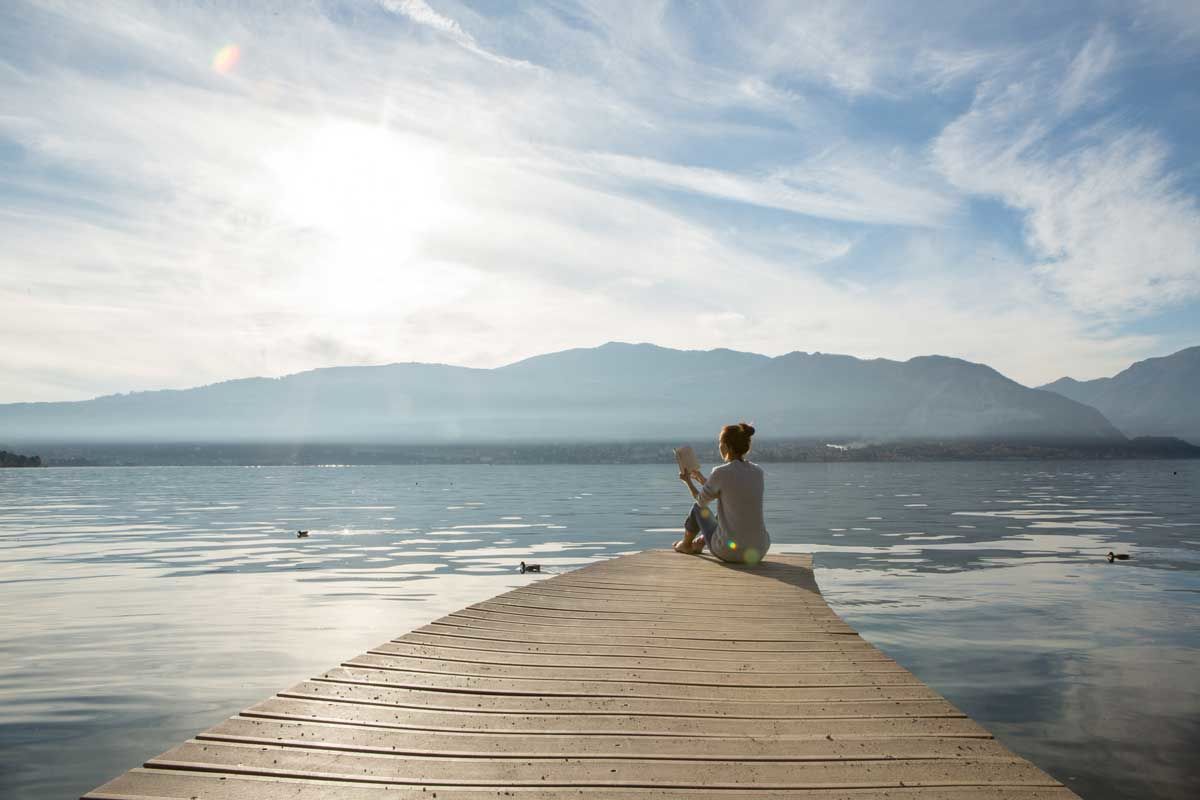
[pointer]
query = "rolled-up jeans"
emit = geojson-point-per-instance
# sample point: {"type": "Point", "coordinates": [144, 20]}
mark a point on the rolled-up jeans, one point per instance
{"type": "Point", "coordinates": [701, 521]}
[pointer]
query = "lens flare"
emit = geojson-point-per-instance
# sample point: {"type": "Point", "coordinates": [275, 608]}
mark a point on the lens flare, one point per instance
{"type": "Point", "coordinates": [226, 59]}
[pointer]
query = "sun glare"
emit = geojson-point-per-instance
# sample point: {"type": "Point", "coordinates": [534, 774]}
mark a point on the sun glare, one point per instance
{"type": "Point", "coordinates": [369, 195]}
{"type": "Point", "coordinates": [226, 59]}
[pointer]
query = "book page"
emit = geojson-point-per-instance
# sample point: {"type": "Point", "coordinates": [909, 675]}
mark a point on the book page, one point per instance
{"type": "Point", "coordinates": [686, 458]}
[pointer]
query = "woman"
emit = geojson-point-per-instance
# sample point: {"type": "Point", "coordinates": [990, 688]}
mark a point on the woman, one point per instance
{"type": "Point", "coordinates": [736, 532]}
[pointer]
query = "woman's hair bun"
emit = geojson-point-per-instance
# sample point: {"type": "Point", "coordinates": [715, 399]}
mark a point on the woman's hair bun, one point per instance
{"type": "Point", "coordinates": [736, 438]}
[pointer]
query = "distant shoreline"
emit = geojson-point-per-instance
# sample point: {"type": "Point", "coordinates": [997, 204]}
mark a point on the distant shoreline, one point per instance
{"type": "Point", "coordinates": [780, 451]}
{"type": "Point", "coordinates": [18, 461]}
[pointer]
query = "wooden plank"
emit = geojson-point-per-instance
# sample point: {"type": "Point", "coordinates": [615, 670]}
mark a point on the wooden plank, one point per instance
{"type": "Point", "coordinates": [488, 684]}
{"type": "Point", "coordinates": [743, 601]}
{"type": "Point", "coordinates": [690, 608]}
{"type": "Point", "coordinates": [418, 694]}
{"type": "Point", "coordinates": [840, 644]}
{"type": "Point", "coordinates": [642, 627]}
{"type": "Point", "coordinates": [657, 589]}
{"type": "Point", "coordinates": [558, 670]}
{"type": "Point", "coordinates": [651, 675]}
{"type": "Point", "coordinates": [254, 759]}
{"type": "Point", "coordinates": [722, 631]}
{"type": "Point", "coordinates": [571, 723]}
{"type": "Point", "coordinates": [681, 614]}
{"type": "Point", "coordinates": [661, 591]}
{"type": "Point", "coordinates": [140, 784]}
{"type": "Point", "coordinates": [654, 587]}
{"type": "Point", "coordinates": [429, 743]}
{"type": "Point", "coordinates": [750, 640]}
{"type": "Point", "coordinates": [666, 634]}
{"type": "Point", "coordinates": [785, 663]}
{"type": "Point", "coordinates": [750, 603]}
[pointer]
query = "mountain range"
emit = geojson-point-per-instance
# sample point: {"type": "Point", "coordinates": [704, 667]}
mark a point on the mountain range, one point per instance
{"type": "Point", "coordinates": [1155, 397]}
{"type": "Point", "coordinates": [615, 392]}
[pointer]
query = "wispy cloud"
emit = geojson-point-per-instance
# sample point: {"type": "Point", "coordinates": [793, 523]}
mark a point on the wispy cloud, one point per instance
{"type": "Point", "coordinates": [422, 13]}
{"type": "Point", "coordinates": [1083, 83]}
{"type": "Point", "coordinates": [829, 186]}
{"type": "Point", "coordinates": [1111, 229]}
{"type": "Point", "coordinates": [1173, 24]}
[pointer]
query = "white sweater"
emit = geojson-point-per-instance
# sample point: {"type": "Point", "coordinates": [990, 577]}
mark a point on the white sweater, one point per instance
{"type": "Point", "coordinates": [741, 535]}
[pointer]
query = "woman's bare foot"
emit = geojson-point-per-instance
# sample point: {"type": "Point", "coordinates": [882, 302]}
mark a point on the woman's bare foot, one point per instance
{"type": "Point", "coordinates": [687, 545]}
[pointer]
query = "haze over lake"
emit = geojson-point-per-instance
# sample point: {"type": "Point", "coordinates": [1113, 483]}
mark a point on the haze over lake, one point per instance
{"type": "Point", "coordinates": [144, 604]}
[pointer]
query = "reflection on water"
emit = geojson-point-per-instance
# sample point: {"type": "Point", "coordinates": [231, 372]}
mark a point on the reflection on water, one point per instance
{"type": "Point", "coordinates": [142, 605]}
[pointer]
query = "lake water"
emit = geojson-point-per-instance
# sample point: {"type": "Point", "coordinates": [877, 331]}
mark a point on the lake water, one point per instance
{"type": "Point", "coordinates": [141, 605]}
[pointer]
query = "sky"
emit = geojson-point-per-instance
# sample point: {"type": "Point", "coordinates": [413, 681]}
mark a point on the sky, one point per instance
{"type": "Point", "coordinates": [193, 192]}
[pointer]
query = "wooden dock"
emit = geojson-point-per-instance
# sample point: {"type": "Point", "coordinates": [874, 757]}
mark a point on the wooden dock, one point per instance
{"type": "Point", "coordinates": [653, 675]}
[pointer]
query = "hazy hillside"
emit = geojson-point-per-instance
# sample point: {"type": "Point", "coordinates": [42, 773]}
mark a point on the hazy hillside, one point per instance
{"type": "Point", "coordinates": [1155, 397]}
{"type": "Point", "coordinates": [614, 392]}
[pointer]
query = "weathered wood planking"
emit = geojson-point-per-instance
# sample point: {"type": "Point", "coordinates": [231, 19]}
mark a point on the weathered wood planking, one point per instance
{"type": "Point", "coordinates": [652, 675]}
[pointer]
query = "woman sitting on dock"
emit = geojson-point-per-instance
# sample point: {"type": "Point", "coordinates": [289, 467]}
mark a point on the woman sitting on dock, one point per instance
{"type": "Point", "coordinates": [736, 532]}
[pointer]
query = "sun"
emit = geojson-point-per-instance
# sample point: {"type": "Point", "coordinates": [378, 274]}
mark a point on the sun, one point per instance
{"type": "Point", "coordinates": [367, 197]}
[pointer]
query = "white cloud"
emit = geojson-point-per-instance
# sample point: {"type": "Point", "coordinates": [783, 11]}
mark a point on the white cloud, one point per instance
{"type": "Point", "coordinates": [1083, 83]}
{"type": "Point", "coordinates": [422, 13]}
{"type": "Point", "coordinates": [822, 43]}
{"type": "Point", "coordinates": [1110, 227]}
{"type": "Point", "coordinates": [1175, 23]}
{"type": "Point", "coordinates": [863, 49]}
{"type": "Point", "coordinates": [829, 186]}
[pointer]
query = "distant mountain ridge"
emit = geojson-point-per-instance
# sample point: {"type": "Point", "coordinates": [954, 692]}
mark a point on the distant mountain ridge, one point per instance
{"type": "Point", "coordinates": [615, 392]}
{"type": "Point", "coordinates": [1154, 397]}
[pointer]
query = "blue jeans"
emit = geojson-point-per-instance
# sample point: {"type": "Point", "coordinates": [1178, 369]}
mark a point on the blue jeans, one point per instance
{"type": "Point", "coordinates": [701, 521]}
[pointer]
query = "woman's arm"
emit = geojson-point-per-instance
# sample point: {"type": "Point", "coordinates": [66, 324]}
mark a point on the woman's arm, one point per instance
{"type": "Point", "coordinates": [686, 477]}
{"type": "Point", "coordinates": [708, 489]}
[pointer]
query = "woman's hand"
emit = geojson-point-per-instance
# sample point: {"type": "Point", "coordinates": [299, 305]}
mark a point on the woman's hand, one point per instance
{"type": "Point", "coordinates": [699, 476]}
{"type": "Point", "coordinates": [686, 477]}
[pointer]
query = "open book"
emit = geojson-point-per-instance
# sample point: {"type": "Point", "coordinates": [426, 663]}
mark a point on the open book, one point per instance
{"type": "Point", "coordinates": [686, 458]}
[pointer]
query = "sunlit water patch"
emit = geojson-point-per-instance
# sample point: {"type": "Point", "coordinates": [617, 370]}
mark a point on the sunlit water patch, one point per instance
{"type": "Point", "coordinates": [142, 605]}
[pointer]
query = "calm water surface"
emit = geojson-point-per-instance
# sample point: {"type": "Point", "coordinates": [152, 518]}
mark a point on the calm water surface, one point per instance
{"type": "Point", "coordinates": [142, 605]}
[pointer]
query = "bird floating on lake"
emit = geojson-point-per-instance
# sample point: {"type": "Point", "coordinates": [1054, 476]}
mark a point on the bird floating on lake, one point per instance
{"type": "Point", "coordinates": [301, 534]}
{"type": "Point", "coordinates": [530, 567]}
{"type": "Point", "coordinates": [1116, 557]}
